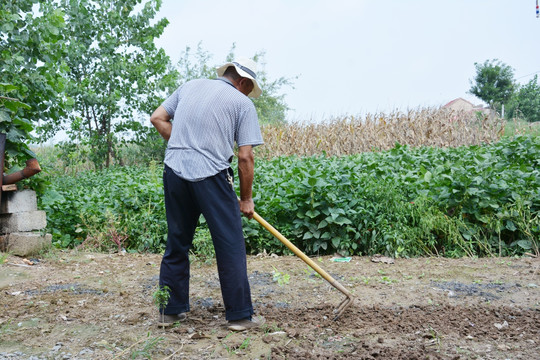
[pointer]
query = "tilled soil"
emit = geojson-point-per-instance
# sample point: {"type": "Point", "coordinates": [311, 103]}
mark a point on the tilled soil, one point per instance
{"type": "Point", "coordinates": [75, 305]}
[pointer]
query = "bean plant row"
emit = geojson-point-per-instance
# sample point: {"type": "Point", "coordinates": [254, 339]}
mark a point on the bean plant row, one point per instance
{"type": "Point", "coordinates": [481, 200]}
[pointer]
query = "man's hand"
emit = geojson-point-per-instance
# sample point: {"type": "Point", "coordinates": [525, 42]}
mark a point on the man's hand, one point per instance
{"type": "Point", "coordinates": [247, 207]}
{"type": "Point", "coordinates": [245, 174]}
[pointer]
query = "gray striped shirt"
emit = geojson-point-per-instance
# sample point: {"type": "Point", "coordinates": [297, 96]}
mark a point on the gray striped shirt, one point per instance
{"type": "Point", "coordinates": [209, 116]}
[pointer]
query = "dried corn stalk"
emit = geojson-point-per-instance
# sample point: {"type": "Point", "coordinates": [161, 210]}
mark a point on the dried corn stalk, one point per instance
{"type": "Point", "coordinates": [375, 132]}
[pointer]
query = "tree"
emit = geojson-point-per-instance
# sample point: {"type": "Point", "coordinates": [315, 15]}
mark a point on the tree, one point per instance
{"type": "Point", "coordinates": [526, 102]}
{"type": "Point", "coordinates": [114, 72]}
{"type": "Point", "coordinates": [270, 106]}
{"type": "Point", "coordinates": [30, 75]}
{"type": "Point", "coordinates": [494, 83]}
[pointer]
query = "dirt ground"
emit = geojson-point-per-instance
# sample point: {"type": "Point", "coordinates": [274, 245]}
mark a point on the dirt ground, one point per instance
{"type": "Point", "coordinates": [76, 305]}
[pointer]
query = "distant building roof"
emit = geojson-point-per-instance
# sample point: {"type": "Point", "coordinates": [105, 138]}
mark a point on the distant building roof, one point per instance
{"type": "Point", "coordinates": [458, 101]}
{"type": "Point", "coordinates": [461, 104]}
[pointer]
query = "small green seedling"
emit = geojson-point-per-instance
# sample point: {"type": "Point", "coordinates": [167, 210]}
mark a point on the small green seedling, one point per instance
{"type": "Point", "coordinates": [161, 298]}
{"type": "Point", "coordinates": [387, 280]}
{"type": "Point", "coordinates": [281, 278]}
{"type": "Point", "coordinates": [245, 344]}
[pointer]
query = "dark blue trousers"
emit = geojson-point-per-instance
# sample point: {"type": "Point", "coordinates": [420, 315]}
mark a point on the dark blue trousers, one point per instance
{"type": "Point", "coordinates": [215, 199]}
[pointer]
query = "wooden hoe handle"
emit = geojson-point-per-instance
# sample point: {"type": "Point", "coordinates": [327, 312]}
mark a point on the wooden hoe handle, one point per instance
{"type": "Point", "coordinates": [301, 255]}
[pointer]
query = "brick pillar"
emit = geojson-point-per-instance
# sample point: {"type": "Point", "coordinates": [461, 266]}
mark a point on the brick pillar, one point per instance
{"type": "Point", "coordinates": [20, 224]}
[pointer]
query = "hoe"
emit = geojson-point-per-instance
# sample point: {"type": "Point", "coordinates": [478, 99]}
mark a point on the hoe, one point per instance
{"type": "Point", "coordinates": [349, 297]}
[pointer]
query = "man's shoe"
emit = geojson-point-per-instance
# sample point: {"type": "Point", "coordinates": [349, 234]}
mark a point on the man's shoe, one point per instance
{"type": "Point", "coordinates": [245, 324]}
{"type": "Point", "coordinates": [166, 320]}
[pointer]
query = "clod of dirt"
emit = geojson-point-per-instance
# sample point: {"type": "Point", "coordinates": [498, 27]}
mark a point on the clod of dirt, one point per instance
{"type": "Point", "coordinates": [502, 326]}
{"type": "Point", "coordinates": [377, 258]}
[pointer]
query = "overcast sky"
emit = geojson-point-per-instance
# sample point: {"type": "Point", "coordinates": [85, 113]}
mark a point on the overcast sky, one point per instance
{"type": "Point", "coordinates": [358, 56]}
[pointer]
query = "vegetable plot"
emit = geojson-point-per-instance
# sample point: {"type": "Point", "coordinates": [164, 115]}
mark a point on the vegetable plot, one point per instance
{"type": "Point", "coordinates": [478, 200]}
{"type": "Point", "coordinates": [474, 201]}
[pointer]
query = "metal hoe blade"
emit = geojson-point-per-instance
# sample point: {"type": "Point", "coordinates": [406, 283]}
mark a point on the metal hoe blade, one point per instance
{"type": "Point", "coordinates": [349, 297]}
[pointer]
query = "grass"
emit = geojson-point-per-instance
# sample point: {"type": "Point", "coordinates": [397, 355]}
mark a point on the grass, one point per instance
{"type": "Point", "coordinates": [235, 349]}
{"type": "Point", "coordinates": [4, 329]}
{"type": "Point", "coordinates": [149, 345]}
{"type": "Point", "coordinates": [3, 257]}
{"type": "Point", "coordinates": [270, 328]}
{"type": "Point", "coordinates": [521, 127]}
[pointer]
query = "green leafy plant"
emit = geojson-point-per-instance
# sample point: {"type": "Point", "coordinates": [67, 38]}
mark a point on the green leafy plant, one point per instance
{"type": "Point", "coordinates": [279, 277]}
{"type": "Point", "coordinates": [466, 201]}
{"type": "Point", "coordinates": [161, 298]}
{"type": "Point", "coordinates": [203, 247]}
{"type": "Point", "coordinates": [387, 280]}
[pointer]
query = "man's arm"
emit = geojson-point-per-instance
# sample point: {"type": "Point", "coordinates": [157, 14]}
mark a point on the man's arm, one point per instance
{"type": "Point", "coordinates": [161, 121]}
{"type": "Point", "coordinates": [246, 165]}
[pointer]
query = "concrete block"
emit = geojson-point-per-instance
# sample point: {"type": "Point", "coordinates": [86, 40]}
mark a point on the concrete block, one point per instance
{"type": "Point", "coordinates": [21, 222]}
{"type": "Point", "coordinates": [25, 243]}
{"type": "Point", "coordinates": [18, 201]}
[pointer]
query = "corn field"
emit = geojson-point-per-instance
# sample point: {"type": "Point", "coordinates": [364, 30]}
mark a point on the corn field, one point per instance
{"type": "Point", "coordinates": [352, 135]}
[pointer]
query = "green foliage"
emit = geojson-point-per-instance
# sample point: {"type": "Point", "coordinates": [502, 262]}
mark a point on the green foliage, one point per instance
{"type": "Point", "coordinates": [3, 258]}
{"type": "Point", "coordinates": [161, 297]}
{"type": "Point", "coordinates": [203, 247]}
{"type": "Point", "coordinates": [271, 106]}
{"type": "Point", "coordinates": [475, 201]}
{"type": "Point", "coordinates": [30, 77]}
{"type": "Point", "coordinates": [526, 102]}
{"type": "Point", "coordinates": [149, 146]}
{"type": "Point", "coordinates": [494, 83]}
{"type": "Point", "coordinates": [517, 126]}
{"type": "Point", "coordinates": [279, 277]}
{"type": "Point", "coordinates": [403, 202]}
{"type": "Point", "coordinates": [113, 73]}
{"type": "Point", "coordinates": [147, 347]}
{"type": "Point", "coordinates": [104, 237]}
{"type": "Point", "coordinates": [195, 65]}
{"type": "Point", "coordinates": [78, 207]}
{"type": "Point", "coordinates": [90, 68]}
{"type": "Point", "coordinates": [17, 129]}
